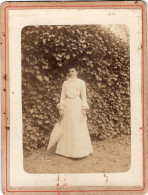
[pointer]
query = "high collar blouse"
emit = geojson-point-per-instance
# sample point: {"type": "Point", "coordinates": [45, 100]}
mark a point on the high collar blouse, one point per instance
{"type": "Point", "coordinates": [71, 89]}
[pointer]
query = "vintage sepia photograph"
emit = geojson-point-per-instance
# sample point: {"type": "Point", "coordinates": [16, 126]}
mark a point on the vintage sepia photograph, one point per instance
{"type": "Point", "coordinates": [74, 97]}
{"type": "Point", "coordinates": [76, 108]}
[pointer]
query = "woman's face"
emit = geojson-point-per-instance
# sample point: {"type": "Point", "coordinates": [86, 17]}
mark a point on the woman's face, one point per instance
{"type": "Point", "coordinates": [72, 72]}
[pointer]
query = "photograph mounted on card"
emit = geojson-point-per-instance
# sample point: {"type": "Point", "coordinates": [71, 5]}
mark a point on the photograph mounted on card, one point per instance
{"type": "Point", "coordinates": [74, 97]}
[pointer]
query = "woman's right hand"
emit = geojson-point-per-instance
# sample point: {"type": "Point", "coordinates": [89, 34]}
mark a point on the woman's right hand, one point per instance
{"type": "Point", "coordinates": [61, 112]}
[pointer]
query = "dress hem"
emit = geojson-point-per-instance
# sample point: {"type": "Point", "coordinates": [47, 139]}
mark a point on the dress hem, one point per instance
{"type": "Point", "coordinates": [75, 156]}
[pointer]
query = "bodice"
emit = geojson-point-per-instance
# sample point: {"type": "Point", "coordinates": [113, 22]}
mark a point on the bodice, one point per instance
{"type": "Point", "coordinates": [73, 88]}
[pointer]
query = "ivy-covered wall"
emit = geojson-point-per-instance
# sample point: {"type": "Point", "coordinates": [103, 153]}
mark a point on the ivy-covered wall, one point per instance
{"type": "Point", "coordinates": [104, 66]}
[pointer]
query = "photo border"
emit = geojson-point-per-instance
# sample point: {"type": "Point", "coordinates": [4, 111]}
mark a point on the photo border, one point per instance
{"type": "Point", "coordinates": [5, 89]}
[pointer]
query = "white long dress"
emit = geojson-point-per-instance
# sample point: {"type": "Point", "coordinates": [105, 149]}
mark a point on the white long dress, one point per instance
{"type": "Point", "coordinates": [76, 142]}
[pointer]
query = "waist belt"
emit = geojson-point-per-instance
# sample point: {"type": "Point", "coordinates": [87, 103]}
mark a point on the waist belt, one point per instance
{"type": "Point", "coordinates": [72, 98]}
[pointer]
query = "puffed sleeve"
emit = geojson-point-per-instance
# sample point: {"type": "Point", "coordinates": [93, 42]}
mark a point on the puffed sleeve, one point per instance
{"type": "Point", "coordinates": [62, 100]}
{"type": "Point", "coordinates": [83, 95]}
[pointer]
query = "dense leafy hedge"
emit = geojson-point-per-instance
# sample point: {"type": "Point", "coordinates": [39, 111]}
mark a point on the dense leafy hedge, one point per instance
{"type": "Point", "coordinates": [104, 65]}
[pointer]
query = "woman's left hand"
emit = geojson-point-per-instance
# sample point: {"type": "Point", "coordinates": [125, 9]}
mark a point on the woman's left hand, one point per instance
{"type": "Point", "coordinates": [83, 112]}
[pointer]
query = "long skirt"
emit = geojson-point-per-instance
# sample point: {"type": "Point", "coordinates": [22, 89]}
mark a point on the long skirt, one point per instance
{"type": "Point", "coordinates": [76, 142]}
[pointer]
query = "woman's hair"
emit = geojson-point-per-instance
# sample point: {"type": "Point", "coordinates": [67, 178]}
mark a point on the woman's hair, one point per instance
{"type": "Point", "coordinates": [71, 64]}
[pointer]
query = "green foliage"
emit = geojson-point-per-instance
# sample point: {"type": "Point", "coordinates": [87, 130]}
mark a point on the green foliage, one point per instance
{"type": "Point", "coordinates": [104, 66]}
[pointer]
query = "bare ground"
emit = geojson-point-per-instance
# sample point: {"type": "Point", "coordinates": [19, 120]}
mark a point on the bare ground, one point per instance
{"type": "Point", "coordinates": [108, 156]}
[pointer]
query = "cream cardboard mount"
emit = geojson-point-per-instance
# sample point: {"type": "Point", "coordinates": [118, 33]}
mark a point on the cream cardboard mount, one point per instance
{"type": "Point", "coordinates": [17, 15]}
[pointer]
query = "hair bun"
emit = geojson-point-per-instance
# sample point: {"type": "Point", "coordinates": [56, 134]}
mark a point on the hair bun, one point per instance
{"type": "Point", "coordinates": [71, 63]}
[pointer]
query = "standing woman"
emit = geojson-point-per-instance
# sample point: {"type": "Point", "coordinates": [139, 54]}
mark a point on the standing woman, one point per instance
{"type": "Point", "coordinates": [76, 142]}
